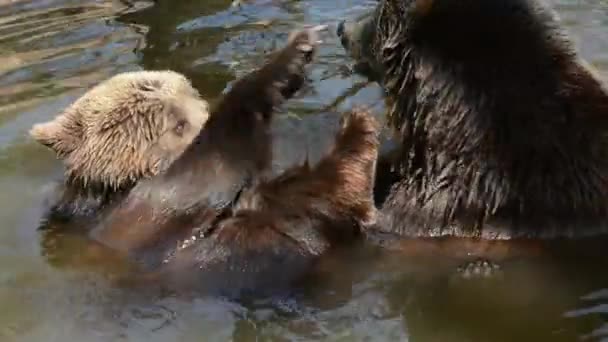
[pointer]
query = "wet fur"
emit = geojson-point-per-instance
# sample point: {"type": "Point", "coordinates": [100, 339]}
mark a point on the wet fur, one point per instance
{"type": "Point", "coordinates": [230, 154]}
{"type": "Point", "coordinates": [129, 127]}
{"type": "Point", "coordinates": [277, 230]}
{"type": "Point", "coordinates": [502, 125]}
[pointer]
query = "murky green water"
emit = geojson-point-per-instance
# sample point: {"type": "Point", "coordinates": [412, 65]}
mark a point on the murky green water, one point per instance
{"type": "Point", "coordinates": [51, 51]}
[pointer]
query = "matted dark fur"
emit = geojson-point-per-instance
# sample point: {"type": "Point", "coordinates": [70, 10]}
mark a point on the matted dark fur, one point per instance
{"type": "Point", "coordinates": [214, 220]}
{"type": "Point", "coordinates": [503, 126]}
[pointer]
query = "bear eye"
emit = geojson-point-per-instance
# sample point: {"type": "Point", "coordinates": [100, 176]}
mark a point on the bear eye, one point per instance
{"type": "Point", "coordinates": [179, 128]}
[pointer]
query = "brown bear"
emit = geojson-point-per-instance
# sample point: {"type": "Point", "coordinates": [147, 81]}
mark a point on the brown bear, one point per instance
{"type": "Point", "coordinates": [129, 127]}
{"type": "Point", "coordinates": [501, 124]}
{"type": "Point", "coordinates": [216, 219]}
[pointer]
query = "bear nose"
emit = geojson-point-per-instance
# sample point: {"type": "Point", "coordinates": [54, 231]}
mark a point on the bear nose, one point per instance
{"type": "Point", "coordinates": [340, 30]}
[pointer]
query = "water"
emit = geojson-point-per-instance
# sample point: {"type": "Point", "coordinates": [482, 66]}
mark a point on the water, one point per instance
{"type": "Point", "coordinates": [51, 51]}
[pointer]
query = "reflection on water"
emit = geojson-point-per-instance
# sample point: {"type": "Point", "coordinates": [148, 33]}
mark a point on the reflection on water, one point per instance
{"type": "Point", "coordinates": [598, 302]}
{"type": "Point", "coordinates": [53, 50]}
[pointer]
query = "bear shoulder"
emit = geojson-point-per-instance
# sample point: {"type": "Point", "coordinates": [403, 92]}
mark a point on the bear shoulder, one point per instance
{"type": "Point", "coordinates": [502, 128]}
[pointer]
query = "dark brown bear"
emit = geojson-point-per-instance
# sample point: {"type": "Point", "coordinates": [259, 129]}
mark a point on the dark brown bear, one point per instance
{"type": "Point", "coordinates": [213, 220]}
{"type": "Point", "coordinates": [502, 125]}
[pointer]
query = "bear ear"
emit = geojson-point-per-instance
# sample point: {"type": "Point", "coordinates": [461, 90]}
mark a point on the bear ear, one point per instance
{"type": "Point", "coordinates": [55, 136]}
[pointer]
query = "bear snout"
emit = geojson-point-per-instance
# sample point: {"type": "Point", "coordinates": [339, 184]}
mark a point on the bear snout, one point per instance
{"type": "Point", "coordinates": [341, 32]}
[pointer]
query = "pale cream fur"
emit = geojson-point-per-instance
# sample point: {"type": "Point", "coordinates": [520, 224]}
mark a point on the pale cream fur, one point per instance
{"type": "Point", "coordinates": [125, 128]}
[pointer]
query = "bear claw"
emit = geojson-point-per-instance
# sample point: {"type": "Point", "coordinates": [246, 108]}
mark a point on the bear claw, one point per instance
{"type": "Point", "coordinates": [480, 268]}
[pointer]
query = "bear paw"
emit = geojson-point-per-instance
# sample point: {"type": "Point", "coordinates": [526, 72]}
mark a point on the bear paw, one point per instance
{"type": "Point", "coordinates": [306, 40]}
{"type": "Point", "coordinates": [360, 120]}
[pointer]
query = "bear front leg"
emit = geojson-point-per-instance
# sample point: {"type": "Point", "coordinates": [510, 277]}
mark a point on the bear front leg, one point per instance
{"type": "Point", "coordinates": [278, 80]}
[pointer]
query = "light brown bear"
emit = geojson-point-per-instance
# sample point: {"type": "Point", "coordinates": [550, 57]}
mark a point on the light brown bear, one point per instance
{"type": "Point", "coordinates": [218, 221]}
{"type": "Point", "coordinates": [502, 125]}
{"type": "Point", "coordinates": [129, 127]}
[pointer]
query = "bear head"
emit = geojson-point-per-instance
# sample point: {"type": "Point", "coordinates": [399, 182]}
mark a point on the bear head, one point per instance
{"type": "Point", "coordinates": [131, 126]}
{"type": "Point", "coordinates": [497, 116]}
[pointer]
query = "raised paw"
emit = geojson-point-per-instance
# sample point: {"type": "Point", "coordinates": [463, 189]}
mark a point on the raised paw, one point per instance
{"type": "Point", "coordinates": [306, 40]}
{"type": "Point", "coordinates": [359, 120]}
{"type": "Point", "coordinates": [479, 268]}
